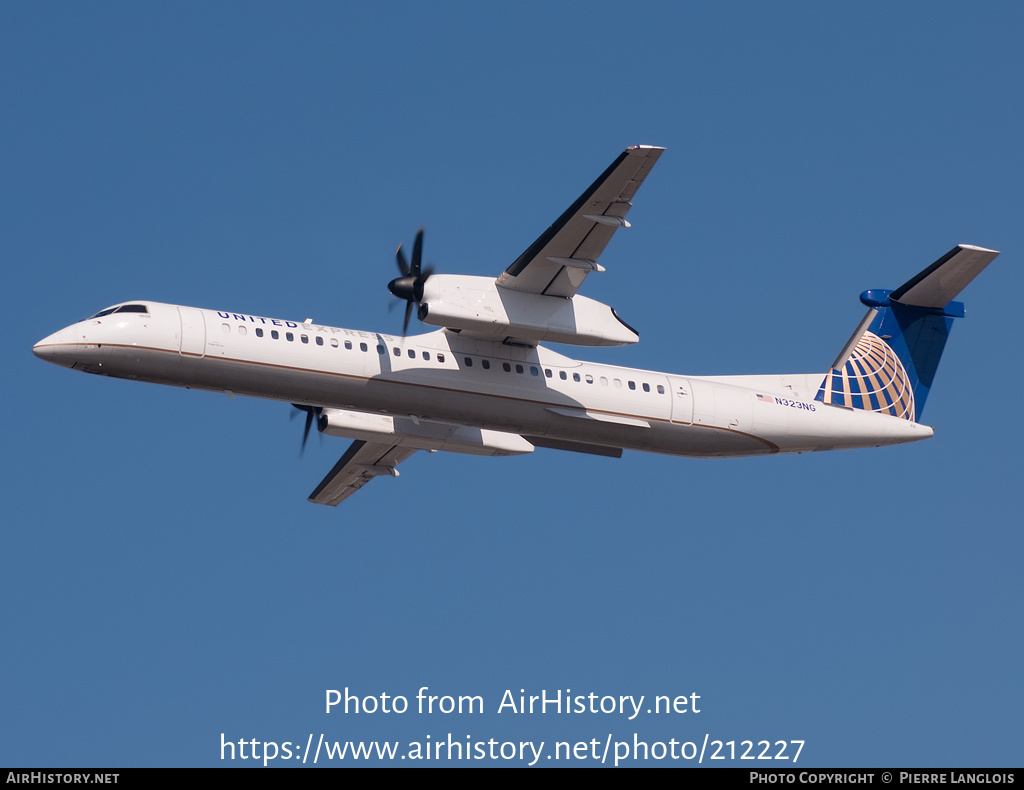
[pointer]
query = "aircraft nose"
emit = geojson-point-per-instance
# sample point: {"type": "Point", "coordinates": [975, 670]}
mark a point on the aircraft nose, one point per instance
{"type": "Point", "coordinates": [42, 349]}
{"type": "Point", "coordinates": [50, 347]}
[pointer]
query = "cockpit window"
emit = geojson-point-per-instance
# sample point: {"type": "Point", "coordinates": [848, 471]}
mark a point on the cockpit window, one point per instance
{"type": "Point", "coordinates": [125, 308]}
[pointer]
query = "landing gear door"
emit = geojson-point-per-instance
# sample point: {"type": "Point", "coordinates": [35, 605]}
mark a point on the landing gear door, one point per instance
{"type": "Point", "coordinates": [193, 332]}
{"type": "Point", "coordinates": [682, 400]}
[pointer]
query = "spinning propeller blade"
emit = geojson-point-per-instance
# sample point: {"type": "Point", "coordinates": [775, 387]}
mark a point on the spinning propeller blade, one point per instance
{"type": "Point", "coordinates": [410, 285]}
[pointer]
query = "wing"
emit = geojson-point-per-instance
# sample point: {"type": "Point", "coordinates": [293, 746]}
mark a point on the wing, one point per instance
{"type": "Point", "coordinates": [362, 462]}
{"type": "Point", "coordinates": [557, 262]}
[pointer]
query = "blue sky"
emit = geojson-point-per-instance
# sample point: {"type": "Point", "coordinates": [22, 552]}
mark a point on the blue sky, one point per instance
{"type": "Point", "coordinates": [166, 581]}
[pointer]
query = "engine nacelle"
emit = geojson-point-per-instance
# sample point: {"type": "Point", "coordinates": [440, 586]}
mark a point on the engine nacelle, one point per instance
{"type": "Point", "coordinates": [421, 434]}
{"type": "Point", "coordinates": [478, 307]}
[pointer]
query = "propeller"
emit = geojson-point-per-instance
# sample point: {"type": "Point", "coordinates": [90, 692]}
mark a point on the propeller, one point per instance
{"type": "Point", "coordinates": [312, 413]}
{"type": "Point", "coordinates": [410, 285]}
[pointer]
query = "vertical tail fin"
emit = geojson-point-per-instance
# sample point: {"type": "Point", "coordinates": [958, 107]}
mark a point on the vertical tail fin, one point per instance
{"type": "Point", "coordinates": [889, 363]}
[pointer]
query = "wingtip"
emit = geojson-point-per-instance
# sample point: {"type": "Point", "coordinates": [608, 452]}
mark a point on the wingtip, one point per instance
{"type": "Point", "coordinates": [977, 249]}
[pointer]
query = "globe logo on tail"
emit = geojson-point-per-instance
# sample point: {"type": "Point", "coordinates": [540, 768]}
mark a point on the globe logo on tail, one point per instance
{"type": "Point", "coordinates": [873, 379]}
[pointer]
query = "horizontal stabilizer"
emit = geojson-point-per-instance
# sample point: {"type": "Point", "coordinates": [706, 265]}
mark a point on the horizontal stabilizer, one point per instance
{"type": "Point", "coordinates": [888, 365]}
{"type": "Point", "coordinates": [939, 284]}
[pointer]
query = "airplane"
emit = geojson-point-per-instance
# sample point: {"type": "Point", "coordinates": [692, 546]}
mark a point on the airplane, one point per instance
{"type": "Point", "coordinates": [483, 384]}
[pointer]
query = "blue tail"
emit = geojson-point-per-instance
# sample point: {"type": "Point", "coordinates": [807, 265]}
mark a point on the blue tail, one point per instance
{"type": "Point", "coordinates": [889, 364]}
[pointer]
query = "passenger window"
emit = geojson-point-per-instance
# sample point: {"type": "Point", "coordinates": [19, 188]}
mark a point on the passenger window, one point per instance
{"type": "Point", "coordinates": [661, 390]}
{"type": "Point", "coordinates": [225, 329]}
{"type": "Point", "coordinates": [575, 376]}
{"type": "Point", "coordinates": [426, 355]}
{"type": "Point", "coordinates": [632, 385]}
{"type": "Point", "coordinates": [647, 387]}
{"type": "Point", "coordinates": [381, 349]}
{"type": "Point", "coordinates": [363, 347]}
{"type": "Point", "coordinates": [534, 371]}
{"type": "Point", "coordinates": [547, 372]}
{"type": "Point", "coordinates": [396, 351]}
{"type": "Point", "coordinates": [506, 367]}
{"type": "Point", "coordinates": [242, 330]}
{"type": "Point", "coordinates": [304, 339]}
{"type": "Point", "coordinates": [486, 364]}
{"type": "Point", "coordinates": [590, 379]}
{"type": "Point", "coordinates": [412, 353]}
{"type": "Point", "coordinates": [319, 340]}
{"type": "Point", "coordinates": [289, 337]}
{"type": "Point", "coordinates": [259, 332]}
{"type": "Point", "coordinates": [275, 334]}
{"type": "Point", "coordinates": [348, 345]}
{"type": "Point", "coordinates": [440, 358]}
{"type": "Point", "coordinates": [562, 375]}
{"type": "Point", "coordinates": [604, 381]}
{"type": "Point", "coordinates": [519, 368]}
{"type": "Point", "coordinates": [469, 362]}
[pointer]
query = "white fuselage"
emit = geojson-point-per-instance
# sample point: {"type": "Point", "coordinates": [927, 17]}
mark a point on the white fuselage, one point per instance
{"type": "Point", "coordinates": [444, 377]}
